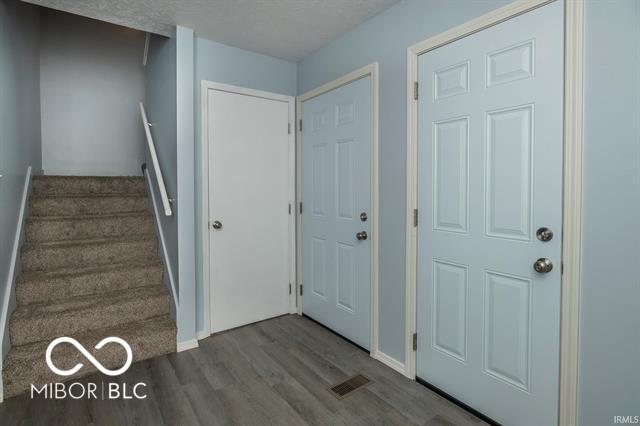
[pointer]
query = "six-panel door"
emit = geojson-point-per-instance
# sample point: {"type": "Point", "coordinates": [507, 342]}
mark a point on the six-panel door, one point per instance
{"type": "Point", "coordinates": [489, 175]}
{"type": "Point", "coordinates": [336, 147]}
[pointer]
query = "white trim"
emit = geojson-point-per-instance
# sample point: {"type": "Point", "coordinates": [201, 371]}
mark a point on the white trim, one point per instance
{"type": "Point", "coordinates": [389, 361]}
{"type": "Point", "coordinates": [290, 100]}
{"type": "Point", "coordinates": [570, 303]}
{"type": "Point", "coordinates": [478, 24]}
{"type": "Point", "coordinates": [163, 242]}
{"type": "Point", "coordinates": [186, 345]}
{"type": "Point", "coordinates": [572, 215]}
{"type": "Point", "coordinates": [368, 70]}
{"type": "Point", "coordinates": [13, 268]}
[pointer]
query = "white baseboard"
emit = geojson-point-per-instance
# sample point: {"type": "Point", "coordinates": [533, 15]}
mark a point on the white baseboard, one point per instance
{"type": "Point", "coordinates": [186, 345]}
{"type": "Point", "coordinates": [390, 362]}
{"type": "Point", "coordinates": [163, 243]}
{"type": "Point", "coordinates": [13, 268]}
{"type": "Point", "coordinates": [202, 334]}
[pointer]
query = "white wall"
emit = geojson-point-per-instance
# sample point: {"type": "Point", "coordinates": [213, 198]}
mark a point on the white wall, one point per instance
{"type": "Point", "coordinates": [91, 80]}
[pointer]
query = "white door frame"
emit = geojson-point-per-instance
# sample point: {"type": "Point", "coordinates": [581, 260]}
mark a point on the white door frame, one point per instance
{"type": "Point", "coordinates": [206, 279]}
{"type": "Point", "coordinates": [572, 204]}
{"type": "Point", "coordinates": [372, 71]}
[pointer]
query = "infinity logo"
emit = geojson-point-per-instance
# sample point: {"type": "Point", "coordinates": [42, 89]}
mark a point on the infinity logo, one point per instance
{"type": "Point", "coordinates": [88, 355]}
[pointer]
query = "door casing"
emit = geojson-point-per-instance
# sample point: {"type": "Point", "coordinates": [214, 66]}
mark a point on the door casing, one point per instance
{"type": "Point", "coordinates": [205, 87]}
{"type": "Point", "coordinates": [372, 71]}
{"type": "Point", "coordinates": [572, 184]}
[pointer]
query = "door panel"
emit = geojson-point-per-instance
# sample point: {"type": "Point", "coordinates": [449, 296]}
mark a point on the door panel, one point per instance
{"type": "Point", "coordinates": [249, 194]}
{"type": "Point", "coordinates": [489, 175]}
{"type": "Point", "coordinates": [336, 152]}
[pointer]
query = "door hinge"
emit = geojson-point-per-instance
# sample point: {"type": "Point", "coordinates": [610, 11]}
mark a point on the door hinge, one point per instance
{"type": "Point", "coordinates": [561, 267]}
{"type": "Point", "coordinates": [415, 217]}
{"type": "Point", "coordinates": [300, 207]}
{"type": "Point", "coordinates": [300, 124]}
{"type": "Point", "coordinates": [289, 208]}
{"type": "Point", "coordinates": [289, 288]}
{"type": "Point", "coordinates": [415, 341]}
{"type": "Point", "coordinates": [288, 128]}
{"type": "Point", "coordinates": [415, 90]}
{"type": "Point", "coordinates": [301, 291]}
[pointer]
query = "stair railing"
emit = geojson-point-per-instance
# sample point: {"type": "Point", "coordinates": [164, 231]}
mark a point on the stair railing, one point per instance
{"type": "Point", "coordinates": [166, 203]}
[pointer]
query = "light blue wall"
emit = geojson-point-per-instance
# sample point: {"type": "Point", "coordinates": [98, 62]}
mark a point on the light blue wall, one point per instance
{"type": "Point", "coordinates": [20, 145]}
{"type": "Point", "coordinates": [384, 39]}
{"type": "Point", "coordinates": [185, 196]}
{"type": "Point", "coordinates": [91, 80]}
{"type": "Point", "coordinates": [169, 104]}
{"type": "Point", "coordinates": [161, 108]}
{"type": "Point", "coordinates": [610, 318]}
{"type": "Point", "coordinates": [223, 64]}
{"type": "Point", "coordinates": [609, 364]}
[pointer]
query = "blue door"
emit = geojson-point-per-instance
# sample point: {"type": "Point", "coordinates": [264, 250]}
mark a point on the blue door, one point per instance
{"type": "Point", "coordinates": [490, 154]}
{"type": "Point", "coordinates": [336, 197]}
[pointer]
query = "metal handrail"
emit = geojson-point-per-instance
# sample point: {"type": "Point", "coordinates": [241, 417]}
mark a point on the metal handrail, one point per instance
{"type": "Point", "coordinates": [166, 203]}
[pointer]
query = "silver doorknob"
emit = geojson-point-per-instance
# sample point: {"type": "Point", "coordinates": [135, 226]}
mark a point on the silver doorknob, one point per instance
{"type": "Point", "coordinates": [544, 234]}
{"type": "Point", "coordinates": [361, 235]}
{"type": "Point", "coordinates": [217, 224]}
{"type": "Point", "coordinates": [543, 265]}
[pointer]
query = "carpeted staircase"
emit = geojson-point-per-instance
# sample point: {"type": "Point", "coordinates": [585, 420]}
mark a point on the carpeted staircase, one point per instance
{"type": "Point", "coordinates": [90, 269]}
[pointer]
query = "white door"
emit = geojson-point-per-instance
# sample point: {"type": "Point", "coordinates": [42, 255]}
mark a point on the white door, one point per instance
{"type": "Point", "coordinates": [249, 196]}
{"type": "Point", "coordinates": [336, 199]}
{"type": "Point", "coordinates": [489, 177]}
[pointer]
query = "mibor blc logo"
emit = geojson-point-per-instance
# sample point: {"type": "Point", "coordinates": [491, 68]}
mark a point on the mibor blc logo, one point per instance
{"type": "Point", "coordinates": [89, 390]}
{"type": "Point", "coordinates": [88, 355]}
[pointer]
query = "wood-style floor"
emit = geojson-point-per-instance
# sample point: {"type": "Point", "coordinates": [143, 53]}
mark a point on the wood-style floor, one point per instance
{"type": "Point", "coordinates": [271, 373]}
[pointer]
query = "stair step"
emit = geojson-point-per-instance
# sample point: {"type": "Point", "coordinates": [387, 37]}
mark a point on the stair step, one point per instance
{"type": "Point", "coordinates": [62, 228]}
{"type": "Point", "coordinates": [57, 255]}
{"type": "Point", "coordinates": [71, 205]}
{"type": "Point", "coordinates": [50, 286]}
{"type": "Point", "coordinates": [40, 322]}
{"type": "Point", "coordinates": [26, 364]}
{"type": "Point", "coordinates": [51, 185]}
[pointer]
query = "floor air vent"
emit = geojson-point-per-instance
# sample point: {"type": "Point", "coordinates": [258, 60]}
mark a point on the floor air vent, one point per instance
{"type": "Point", "coordinates": [343, 389]}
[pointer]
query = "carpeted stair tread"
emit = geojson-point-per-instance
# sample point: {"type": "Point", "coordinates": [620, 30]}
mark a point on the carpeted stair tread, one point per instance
{"type": "Point", "coordinates": [26, 364]}
{"type": "Point", "coordinates": [59, 228]}
{"type": "Point", "coordinates": [45, 185]}
{"type": "Point", "coordinates": [32, 323]}
{"type": "Point", "coordinates": [59, 284]}
{"type": "Point", "coordinates": [53, 218]}
{"type": "Point", "coordinates": [97, 204]}
{"type": "Point", "coordinates": [50, 255]}
{"type": "Point", "coordinates": [88, 242]}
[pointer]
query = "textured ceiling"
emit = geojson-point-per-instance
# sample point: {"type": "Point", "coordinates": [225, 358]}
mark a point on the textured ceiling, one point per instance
{"type": "Point", "coordinates": [287, 29]}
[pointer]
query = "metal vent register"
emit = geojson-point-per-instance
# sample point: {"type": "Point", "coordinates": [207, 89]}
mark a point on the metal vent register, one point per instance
{"type": "Point", "coordinates": [343, 389]}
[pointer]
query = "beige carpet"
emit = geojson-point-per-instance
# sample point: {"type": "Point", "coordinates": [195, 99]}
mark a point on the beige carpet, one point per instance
{"type": "Point", "coordinates": [90, 269]}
